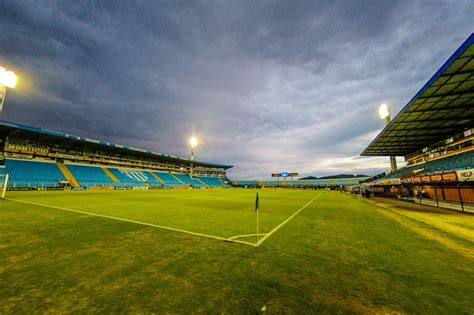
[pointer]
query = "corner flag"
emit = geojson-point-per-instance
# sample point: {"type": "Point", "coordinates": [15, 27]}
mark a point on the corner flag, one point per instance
{"type": "Point", "coordinates": [257, 204]}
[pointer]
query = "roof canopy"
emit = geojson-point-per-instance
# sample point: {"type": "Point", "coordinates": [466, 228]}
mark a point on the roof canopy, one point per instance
{"type": "Point", "coordinates": [82, 143]}
{"type": "Point", "coordinates": [442, 108]}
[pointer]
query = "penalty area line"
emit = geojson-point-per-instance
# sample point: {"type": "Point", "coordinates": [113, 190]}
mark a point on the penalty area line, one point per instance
{"type": "Point", "coordinates": [135, 222]}
{"type": "Point", "coordinates": [245, 235]}
{"type": "Point", "coordinates": [287, 220]}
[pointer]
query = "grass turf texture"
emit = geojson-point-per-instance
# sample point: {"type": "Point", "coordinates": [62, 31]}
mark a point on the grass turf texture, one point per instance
{"type": "Point", "coordinates": [339, 254]}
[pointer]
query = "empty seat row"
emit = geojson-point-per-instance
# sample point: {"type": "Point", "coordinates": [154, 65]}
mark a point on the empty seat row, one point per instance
{"type": "Point", "coordinates": [170, 180]}
{"type": "Point", "coordinates": [212, 181]}
{"type": "Point", "coordinates": [190, 181]}
{"type": "Point", "coordinates": [89, 176]}
{"type": "Point", "coordinates": [450, 163]}
{"type": "Point", "coordinates": [26, 173]}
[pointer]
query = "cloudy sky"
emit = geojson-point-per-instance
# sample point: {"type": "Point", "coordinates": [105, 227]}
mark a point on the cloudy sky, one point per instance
{"type": "Point", "coordinates": [266, 85]}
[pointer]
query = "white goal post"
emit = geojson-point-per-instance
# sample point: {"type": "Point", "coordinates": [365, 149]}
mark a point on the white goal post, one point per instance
{"type": "Point", "coordinates": [3, 183]}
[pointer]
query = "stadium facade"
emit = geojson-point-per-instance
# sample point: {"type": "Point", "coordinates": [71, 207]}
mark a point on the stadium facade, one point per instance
{"type": "Point", "coordinates": [434, 132]}
{"type": "Point", "coordinates": [331, 183]}
{"type": "Point", "coordinates": [38, 158]}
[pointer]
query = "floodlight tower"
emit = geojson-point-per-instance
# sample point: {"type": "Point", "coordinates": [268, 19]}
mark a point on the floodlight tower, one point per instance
{"type": "Point", "coordinates": [385, 112]}
{"type": "Point", "coordinates": [193, 142]}
{"type": "Point", "coordinates": [7, 79]}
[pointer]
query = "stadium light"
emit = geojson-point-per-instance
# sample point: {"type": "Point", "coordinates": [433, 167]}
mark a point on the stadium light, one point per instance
{"type": "Point", "coordinates": [193, 141]}
{"type": "Point", "coordinates": [384, 112]}
{"type": "Point", "coordinates": [7, 79]}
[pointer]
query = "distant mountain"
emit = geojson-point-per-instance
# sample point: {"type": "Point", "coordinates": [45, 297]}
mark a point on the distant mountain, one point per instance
{"type": "Point", "coordinates": [335, 176]}
{"type": "Point", "coordinates": [343, 176]}
{"type": "Point", "coordinates": [309, 177]}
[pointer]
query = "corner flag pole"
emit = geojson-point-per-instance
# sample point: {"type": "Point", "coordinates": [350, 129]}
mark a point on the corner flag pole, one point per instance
{"type": "Point", "coordinates": [257, 208]}
{"type": "Point", "coordinates": [258, 240]}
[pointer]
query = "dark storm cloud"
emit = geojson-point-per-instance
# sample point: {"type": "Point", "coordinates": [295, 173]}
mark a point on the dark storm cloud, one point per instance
{"type": "Point", "coordinates": [267, 85]}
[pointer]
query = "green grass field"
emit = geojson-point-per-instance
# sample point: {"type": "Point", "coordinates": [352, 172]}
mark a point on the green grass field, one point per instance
{"type": "Point", "coordinates": [135, 252]}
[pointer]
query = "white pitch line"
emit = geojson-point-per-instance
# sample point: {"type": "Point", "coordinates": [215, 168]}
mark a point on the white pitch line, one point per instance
{"type": "Point", "coordinates": [245, 235]}
{"type": "Point", "coordinates": [108, 204]}
{"type": "Point", "coordinates": [133, 221]}
{"type": "Point", "coordinates": [287, 220]}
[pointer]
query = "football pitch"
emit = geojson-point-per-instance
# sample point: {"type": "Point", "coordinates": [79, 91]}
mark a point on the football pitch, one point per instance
{"type": "Point", "coordinates": [191, 251]}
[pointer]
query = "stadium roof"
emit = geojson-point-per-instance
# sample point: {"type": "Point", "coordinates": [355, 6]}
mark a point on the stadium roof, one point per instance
{"type": "Point", "coordinates": [11, 129]}
{"type": "Point", "coordinates": [442, 108]}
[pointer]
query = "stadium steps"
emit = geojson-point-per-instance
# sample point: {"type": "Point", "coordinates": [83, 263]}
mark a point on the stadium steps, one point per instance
{"type": "Point", "coordinates": [67, 173]}
{"type": "Point", "coordinates": [157, 177]}
{"type": "Point", "coordinates": [112, 176]}
{"type": "Point", "coordinates": [200, 180]}
{"type": "Point", "coordinates": [179, 180]}
{"type": "Point", "coordinates": [331, 183]}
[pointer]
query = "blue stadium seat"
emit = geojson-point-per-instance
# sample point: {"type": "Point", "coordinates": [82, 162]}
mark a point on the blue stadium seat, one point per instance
{"type": "Point", "coordinates": [455, 162]}
{"type": "Point", "coordinates": [133, 178]}
{"type": "Point", "coordinates": [24, 173]}
{"type": "Point", "coordinates": [347, 181]}
{"type": "Point", "coordinates": [276, 183]}
{"type": "Point", "coordinates": [91, 176]}
{"type": "Point", "coordinates": [169, 180]}
{"type": "Point", "coordinates": [211, 181]}
{"type": "Point", "coordinates": [243, 183]}
{"type": "Point", "coordinates": [190, 181]}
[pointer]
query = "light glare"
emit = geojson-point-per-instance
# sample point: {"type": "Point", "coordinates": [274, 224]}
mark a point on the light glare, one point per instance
{"type": "Point", "coordinates": [7, 78]}
{"type": "Point", "coordinates": [384, 111]}
{"type": "Point", "coordinates": [193, 142]}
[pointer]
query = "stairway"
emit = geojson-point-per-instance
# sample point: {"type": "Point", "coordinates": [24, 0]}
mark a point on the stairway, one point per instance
{"type": "Point", "coordinates": [112, 176]}
{"type": "Point", "coordinates": [67, 173]}
{"type": "Point", "coordinates": [331, 183]}
{"type": "Point", "coordinates": [179, 180]}
{"type": "Point", "coordinates": [200, 180]}
{"type": "Point", "coordinates": [157, 177]}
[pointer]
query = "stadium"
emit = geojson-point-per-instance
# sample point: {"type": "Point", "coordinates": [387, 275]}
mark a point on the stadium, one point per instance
{"type": "Point", "coordinates": [434, 133]}
{"type": "Point", "coordinates": [90, 226]}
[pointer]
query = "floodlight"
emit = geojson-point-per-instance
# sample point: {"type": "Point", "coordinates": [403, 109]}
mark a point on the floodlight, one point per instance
{"type": "Point", "coordinates": [193, 141]}
{"type": "Point", "coordinates": [384, 111]}
{"type": "Point", "coordinates": [7, 78]}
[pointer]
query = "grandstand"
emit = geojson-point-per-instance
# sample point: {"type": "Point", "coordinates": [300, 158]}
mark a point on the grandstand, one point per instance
{"type": "Point", "coordinates": [310, 184]}
{"type": "Point", "coordinates": [212, 181]}
{"type": "Point", "coordinates": [434, 132]}
{"type": "Point", "coordinates": [25, 173]}
{"type": "Point", "coordinates": [37, 158]}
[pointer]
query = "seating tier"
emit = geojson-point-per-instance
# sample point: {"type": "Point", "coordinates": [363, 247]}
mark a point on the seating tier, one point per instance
{"type": "Point", "coordinates": [25, 173]}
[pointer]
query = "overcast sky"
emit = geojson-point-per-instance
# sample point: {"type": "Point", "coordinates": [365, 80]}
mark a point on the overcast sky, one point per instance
{"type": "Point", "coordinates": [265, 85]}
